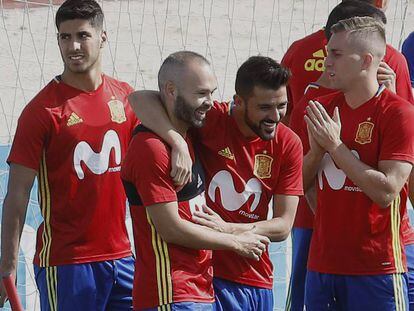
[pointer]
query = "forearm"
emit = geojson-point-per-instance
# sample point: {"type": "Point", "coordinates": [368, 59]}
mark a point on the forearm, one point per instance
{"type": "Point", "coordinates": [311, 162]}
{"type": "Point", "coordinates": [194, 236]}
{"type": "Point", "coordinates": [13, 218]}
{"type": "Point", "coordinates": [372, 182]}
{"type": "Point", "coordinates": [148, 107]}
{"type": "Point", "coordinates": [276, 229]}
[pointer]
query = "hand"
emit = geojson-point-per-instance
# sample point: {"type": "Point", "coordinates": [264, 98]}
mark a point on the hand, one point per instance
{"type": "Point", "coordinates": [208, 218]}
{"type": "Point", "coordinates": [3, 295]}
{"type": "Point", "coordinates": [251, 245]}
{"type": "Point", "coordinates": [3, 292]}
{"type": "Point", "coordinates": [386, 76]}
{"type": "Point", "coordinates": [325, 130]}
{"type": "Point", "coordinates": [314, 147]}
{"type": "Point", "coordinates": [181, 165]}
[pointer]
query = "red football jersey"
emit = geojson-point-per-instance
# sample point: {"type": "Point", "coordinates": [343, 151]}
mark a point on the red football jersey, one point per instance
{"type": "Point", "coordinates": [398, 63]}
{"type": "Point", "coordinates": [76, 141]}
{"type": "Point", "coordinates": [242, 175]}
{"type": "Point", "coordinates": [304, 215]}
{"type": "Point", "coordinates": [164, 272]}
{"type": "Point", "coordinates": [352, 234]}
{"type": "Point", "coordinates": [306, 60]}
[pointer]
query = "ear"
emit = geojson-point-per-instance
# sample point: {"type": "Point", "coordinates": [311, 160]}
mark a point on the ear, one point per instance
{"type": "Point", "coordinates": [367, 61]}
{"type": "Point", "coordinates": [170, 90]}
{"type": "Point", "coordinates": [104, 38]}
{"type": "Point", "coordinates": [238, 101]}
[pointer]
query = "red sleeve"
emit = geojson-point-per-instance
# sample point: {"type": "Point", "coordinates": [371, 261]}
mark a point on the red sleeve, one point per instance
{"type": "Point", "coordinates": [147, 166]}
{"type": "Point", "coordinates": [403, 82]}
{"type": "Point", "coordinates": [31, 136]}
{"type": "Point", "coordinates": [398, 133]}
{"type": "Point", "coordinates": [398, 63]}
{"type": "Point", "coordinates": [290, 175]}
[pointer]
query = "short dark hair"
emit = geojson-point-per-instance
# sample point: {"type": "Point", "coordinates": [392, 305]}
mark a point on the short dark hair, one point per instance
{"type": "Point", "coordinates": [352, 8]}
{"type": "Point", "coordinates": [80, 9]}
{"type": "Point", "coordinates": [260, 71]}
{"type": "Point", "coordinates": [174, 63]}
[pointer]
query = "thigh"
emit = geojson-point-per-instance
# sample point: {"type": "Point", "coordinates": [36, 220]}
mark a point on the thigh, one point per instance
{"type": "Point", "coordinates": [240, 297]}
{"type": "Point", "coordinates": [72, 287]}
{"type": "Point", "coordinates": [300, 248]}
{"type": "Point", "coordinates": [319, 292]}
{"type": "Point", "coordinates": [121, 293]}
{"type": "Point", "coordinates": [409, 251]}
{"type": "Point", "coordinates": [386, 292]}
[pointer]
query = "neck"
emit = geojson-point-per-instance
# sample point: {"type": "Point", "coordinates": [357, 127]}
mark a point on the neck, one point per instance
{"type": "Point", "coordinates": [85, 81]}
{"type": "Point", "coordinates": [361, 92]}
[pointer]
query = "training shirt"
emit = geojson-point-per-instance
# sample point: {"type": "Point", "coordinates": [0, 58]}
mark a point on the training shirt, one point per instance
{"type": "Point", "coordinates": [76, 141]}
{"type": "Point", "coordinates": [242, 175]}
{"type": "Point", "coordinates": [305, 58]}
{"type": "Point", "coordinates": [352, 234]}
{"type": "Point", "coordinates": [165, 273]}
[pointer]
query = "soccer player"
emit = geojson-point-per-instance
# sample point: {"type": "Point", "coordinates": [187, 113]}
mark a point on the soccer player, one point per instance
{"type": "Point", "coordinates": [408, 51]}
{"type": "Point", "coordinates": [73, 136]}
{"type": "Point", "coordinates": [360, 159]}
{"type": "Point", "coordinates": [250, 159]}
{"type": "Point", "coordinates": [392, 72]}
{"type": "Point", "coordinates": [173, 272]}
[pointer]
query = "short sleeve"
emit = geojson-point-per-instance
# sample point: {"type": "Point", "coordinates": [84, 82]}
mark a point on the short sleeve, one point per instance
{"type": "Point", "coordinates": [32, 133]}
{"type": "Point", "coordinates": [147, 166]}
{"type": "Point", "coordinates": [397, 133]}
{"type": "Point", "coordinates": [290, 175]}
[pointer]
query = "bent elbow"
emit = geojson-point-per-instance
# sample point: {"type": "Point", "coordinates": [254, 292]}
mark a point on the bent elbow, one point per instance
{"type": "Point", "coordinates": [387, 199]}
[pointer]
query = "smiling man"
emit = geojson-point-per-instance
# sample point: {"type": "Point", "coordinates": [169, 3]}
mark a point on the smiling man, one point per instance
{"type": "Point", "coordinates": [73, 136]}
{"type": "Point", "coordinates": [173, 266]}
{"type": "Point", "coordinates": [250, 159]}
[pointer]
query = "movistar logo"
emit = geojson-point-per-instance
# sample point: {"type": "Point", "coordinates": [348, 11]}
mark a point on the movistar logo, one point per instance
{"type": "Point", "coordinates": [317, 62]}
{"type": "Point", "coordinates": [232, 200]}
{"type": "Point", "coordinates": [98, 163]}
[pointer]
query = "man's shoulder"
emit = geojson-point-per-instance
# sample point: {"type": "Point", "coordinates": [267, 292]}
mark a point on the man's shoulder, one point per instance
{"type": "Point", "coordinates": [392, 102]}
{"type": "Point", "coordinates": [118, 84]}
{"type": "Point", "coordinates": [308, 42]}
{"type": "Point", "coordinates": [47, 96]}
{"type": "Point", "coordinates": [393, 57]}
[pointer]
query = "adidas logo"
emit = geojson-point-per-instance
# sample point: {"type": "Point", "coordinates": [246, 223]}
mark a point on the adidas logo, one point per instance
{"type": "Point", "coordinates": [226, 153]}
{"type": "Point", "coordinates": [317, 63]}
{"type": "Point", "coordinates": [74, 119]}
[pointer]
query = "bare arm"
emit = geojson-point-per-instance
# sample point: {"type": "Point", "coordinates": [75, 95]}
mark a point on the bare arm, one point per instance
{"type": "Point", "coordinates": [276, 229]}
{"type": "Point", "coordinates": [14, 213]}
{"type": "Point", "coordinates": [148, 107]}
{"type": "Point", "coordinates": [382, 185]}
{"type": "Point", "coordinates": [173, 229]}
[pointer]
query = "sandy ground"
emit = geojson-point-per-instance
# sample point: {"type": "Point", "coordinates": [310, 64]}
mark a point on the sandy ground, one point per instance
{"type": "Point", "coordinates": [141, 34]}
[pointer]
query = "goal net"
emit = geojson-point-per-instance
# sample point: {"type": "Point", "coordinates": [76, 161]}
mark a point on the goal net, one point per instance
{"type": "Point", "coordinates": [141, 34]}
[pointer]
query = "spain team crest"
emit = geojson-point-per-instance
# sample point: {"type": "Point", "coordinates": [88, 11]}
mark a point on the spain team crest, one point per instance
{"type": "Point", "coordinates": [262, 166]}
{"type": "Point", "coordinates": [364, 133]}
{"type": "Point", "coordinates": [116, 107]}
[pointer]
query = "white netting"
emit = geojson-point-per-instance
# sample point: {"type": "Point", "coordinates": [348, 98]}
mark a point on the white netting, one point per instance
{"type": "Point", "coordinates": [141, 33]}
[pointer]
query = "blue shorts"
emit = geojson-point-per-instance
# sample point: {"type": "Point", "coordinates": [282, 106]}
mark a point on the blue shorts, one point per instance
{"type": "Point", "coordinates": [105, 285]}
{"type": "Point", "coordinates": [301, 238]}
{"type": "Point", "coordinates": [409, 251]}
{"type": "Point", "coordinates": [387, 292]}
{"type": "Point", "coordinates": [239, 297]}
{"type": "Point", "coordinates": [183, 306]}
